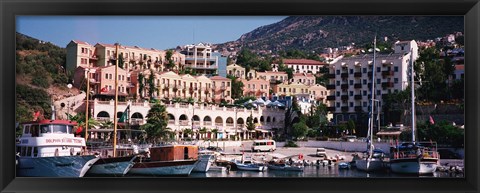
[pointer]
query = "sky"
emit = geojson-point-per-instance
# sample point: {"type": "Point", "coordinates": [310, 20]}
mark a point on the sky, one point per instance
{"type": "Point", "coordinates": [160, 32]}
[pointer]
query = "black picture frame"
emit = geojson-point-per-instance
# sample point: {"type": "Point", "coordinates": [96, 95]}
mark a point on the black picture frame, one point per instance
{"type": "Point", "coordinates": [9, 9]}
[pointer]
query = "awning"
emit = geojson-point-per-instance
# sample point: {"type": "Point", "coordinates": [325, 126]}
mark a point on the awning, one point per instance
{"type": "Point", "coordinates": [389, 133]}
{"type": "Point", "coordinates": [262, 130]}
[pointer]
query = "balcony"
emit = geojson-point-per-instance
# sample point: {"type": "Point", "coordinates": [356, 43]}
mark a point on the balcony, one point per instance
{"type": "Point", "coordinates": [387, 73]}
{"type": "Point", "coordinates": [344, 86]}
{"type": "Point", "coordinates": [330, 86]}
{"type": "Point", "coordinates": [331, 98]}
{"type": "Point", "coordinates": [387, 84]}
{"type": "Point", "coordinates": [357, 85]}
{"type": "Point", "coordinates": [344, 97]}
{"type": "Point", "coordinates": [358, 97]}
{"type": "Point", "coordinates": [183, 122]}
{"type": "Point", "coordinates": [330, 75]}
{"type": "Point", "coordinates": [345, 108]}
{"type": "Point", "coordinates": [331, 109]}
{"type": "Point", "coordinates": [344, 75]}
{"type": "Point", "coordinates": [357, 74]}
{"type": "Point", "coordinates": [358, 108]}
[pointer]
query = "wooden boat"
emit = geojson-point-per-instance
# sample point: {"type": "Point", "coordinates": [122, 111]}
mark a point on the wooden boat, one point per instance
{"type": "Point", "coordinates": [48, 148]}
{"type": "Point", "coordinates": [172, 160]}
{"type": "Point", "coordinates": [248, 164]}
{"type": "Point", "coordinates": [343, 165]}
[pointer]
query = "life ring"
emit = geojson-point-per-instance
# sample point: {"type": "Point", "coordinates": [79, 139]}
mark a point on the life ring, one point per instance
{"type": "Point", "coordinates": [300, 156]}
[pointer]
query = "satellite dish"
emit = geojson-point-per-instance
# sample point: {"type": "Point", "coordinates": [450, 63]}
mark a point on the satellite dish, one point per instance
{"type": "Point", "coordinates": [378, 50]}
{"type": "Point", "coordinates": [370, 50]}
{"type": "Point", "coordinates": [363, 51]}
{"type": "Point", "coordinates": [69, 86]}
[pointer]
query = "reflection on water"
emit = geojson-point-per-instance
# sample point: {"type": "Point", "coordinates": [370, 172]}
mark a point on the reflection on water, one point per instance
{"type": "Point", "coordinates": [321, 171]}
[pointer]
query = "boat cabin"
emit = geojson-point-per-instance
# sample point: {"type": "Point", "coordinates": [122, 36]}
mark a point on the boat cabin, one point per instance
{"type": "Point", "coordinates": [47, 138]}
{"type": "Point", "coordinates": [174, 153]}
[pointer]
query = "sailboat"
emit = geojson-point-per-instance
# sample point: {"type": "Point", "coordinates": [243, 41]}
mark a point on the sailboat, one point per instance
{"type": "Point", "coordinates": [371, 161]}
{"type": "Point", "coordinates": [113, 165]}
{"type": "Point", "coordinates": [414, 157]}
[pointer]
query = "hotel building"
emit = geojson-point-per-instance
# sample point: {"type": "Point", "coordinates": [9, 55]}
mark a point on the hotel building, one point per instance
{"type": "Point", "coordinates": [200, 59]}
{"type": "Point", "coordinates": [351, 80]}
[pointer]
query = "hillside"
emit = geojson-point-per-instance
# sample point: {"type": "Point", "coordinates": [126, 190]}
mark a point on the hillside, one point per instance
{"type": "Point", "coordinates": [317, 32]}
{"type": "Point", "coordinates": [39, 76]}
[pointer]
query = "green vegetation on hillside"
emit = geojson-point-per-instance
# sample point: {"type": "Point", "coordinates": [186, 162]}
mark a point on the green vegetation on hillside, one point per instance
{"type": "Point", "coordinates": [40, 65]}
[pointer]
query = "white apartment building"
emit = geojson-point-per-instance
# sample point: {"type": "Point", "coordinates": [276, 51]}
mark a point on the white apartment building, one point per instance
{"type": "Point", "coordinates": [351, 78]}
{"type": "Point", "coordinates": [200, 59]}
{"type": "Point", "coordinates": [302, 65]}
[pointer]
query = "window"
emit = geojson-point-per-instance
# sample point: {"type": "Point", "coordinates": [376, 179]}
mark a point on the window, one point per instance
{"type": "Point", "coordinates": [338, 104]}
{"type": "Point", "coordinates": [396, 80]}
{"type": "Point", "coordinates": [228, 84]}
{"type": "Point", "coordinates": [351, 104]}
{"type": "Point", "coordinates": [338, 83]}
{"type": "Point", "coordinates": [379, 69]}
{"type": "Point", "coordinates": [396, 68]}
{"type": "Point", "coordinates": [338, 72]}
{"type": "Point", "coordinates": [364, 93]}
{"type": "Point", "coordinates": [364, 81]}
{"type": "Point", "coordinates": [378, 81]}
{"type": "Point", "coordinates": [45, 129]}
{"type": "Point", "coordinates": [338, 93]}
{"type": "Point", "coordinates": [110, 76]}
{"type": "Point", "coordinates": [364, 70]}
{"type": "Point", "coordinates": [351, 82]}
{"type": "Point", "coordinates": [106, 76]}
{"type": "Point", "coordinates": [379, 92]}
{"type": "Point", "coordinates": [364, 104]}
{"type": "Point", "coordinates": [351, 71]}
{"type": "Point", "coordinates": [351, 93]}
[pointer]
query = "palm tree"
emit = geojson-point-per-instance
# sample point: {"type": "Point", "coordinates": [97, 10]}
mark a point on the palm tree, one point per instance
{"type": "Point", "coordinates": [202, 131]}
{"type": "Point", "coordinates": [215, 131]}
{"type": "Point", "coordinates": [157, 120]}
{"type": "Point", "coordinates": [188, 132]}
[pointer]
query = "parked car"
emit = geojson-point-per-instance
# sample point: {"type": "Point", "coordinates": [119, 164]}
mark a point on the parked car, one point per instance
{"type": "Point", "coordinates": [321, 152]}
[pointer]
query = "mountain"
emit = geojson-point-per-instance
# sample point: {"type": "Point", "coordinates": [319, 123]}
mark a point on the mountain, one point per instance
{"type": "Point", "coordinates": [318, 32]}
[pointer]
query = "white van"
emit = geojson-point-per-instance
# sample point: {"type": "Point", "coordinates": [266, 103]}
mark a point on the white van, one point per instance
{"type": "Point", "coordinates": [263, 145]}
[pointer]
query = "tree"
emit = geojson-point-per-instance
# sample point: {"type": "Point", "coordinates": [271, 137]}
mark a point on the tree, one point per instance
{"type": "Point", "coordinates": [300, 130]}
{"type": "Point", "coordinates": [202, 131]}
{"type": "Point", "coordinates": [157, 120]}
{"type": "Point", "coordinates": [141, 85]}
{"type": "Point", "coordinates": [237, 87]}
{"type": "Point", "coordinates": [151, 84]}
{"type": "Point", "coordinates": [250, 124]}
{"type": "Point", "coordinates": [215, 131]}
{"type": "Point", "coordinates": [170, 63]}
{"type": "Point", "coordinates": [120, 61]}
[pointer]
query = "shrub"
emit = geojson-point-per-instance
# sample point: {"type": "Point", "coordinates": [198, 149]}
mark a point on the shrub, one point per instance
{"type": "Point", "coordinates": [291, 144]}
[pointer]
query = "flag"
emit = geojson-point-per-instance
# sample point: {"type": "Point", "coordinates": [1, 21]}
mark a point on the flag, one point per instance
{"type": "Point", "coordinates": [36, 115]}
{"type": "Point", "coordinates": [104, 89]}
{"type": "Point", "coordinates": [124, 116]}
{"type": "Point", "coordinates": [79, 129]}
{"type": "Point", "coordinates": [431, 120]}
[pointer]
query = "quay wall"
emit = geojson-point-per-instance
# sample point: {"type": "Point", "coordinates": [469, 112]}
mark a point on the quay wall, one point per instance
{"type": "Point", "coordinates": [341, 145]}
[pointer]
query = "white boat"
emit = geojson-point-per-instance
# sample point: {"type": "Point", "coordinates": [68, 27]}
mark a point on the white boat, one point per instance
{"type": "Point", "coordinates": [247, 164]}
{"type": "Point", "coordinates": [205, 161]}
{"type": "Point", "coordinates": [215, 168]}
{"type": "Point", "coordinates": [48, 148]}
{"type": "Point", "coordinates": [167, 161]}
{"type": "Point", "coordinates": [414, 157]}
{"type": "Point", "coordinates": [369, 163]}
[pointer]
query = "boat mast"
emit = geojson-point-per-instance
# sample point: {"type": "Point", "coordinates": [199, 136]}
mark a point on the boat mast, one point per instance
{"type": "Point", "coordinates": [370, 123]}
{"type": "Point", "coordinates": [86, 104]}
{"type": "Point", "coordinates": [115, 121]}
{"type": "Point", "coordinates": [413, 95]}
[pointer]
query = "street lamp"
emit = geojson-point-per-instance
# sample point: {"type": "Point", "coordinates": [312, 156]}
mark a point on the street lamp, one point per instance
{"type": "Point", "coordinates": [69, 86]}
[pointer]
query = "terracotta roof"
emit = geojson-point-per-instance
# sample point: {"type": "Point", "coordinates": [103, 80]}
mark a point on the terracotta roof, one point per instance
{"type": "Point", "coordinates": [302, 62]}
{"type": "Point", "coordinates": [302, 74]}
{"type": "Point", "coordinates": [80, 42]}
{"type": "Point", "coordinates": [218, 78]}
{"type": "Point", "coordinates": [459, 67]}
{"type": "Point", "coordinates": [272, 72]}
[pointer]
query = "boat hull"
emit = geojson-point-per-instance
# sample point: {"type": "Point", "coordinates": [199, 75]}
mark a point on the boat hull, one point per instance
{"type": "Point", "coordinates": [113, 166]}
{"type": "Point", "coordinates": [163, 168]}
{"type": "Point", "coordinates": [413, 166]}
{"type": "Point", "coordinates": [60, 166]}
{"type": "Point", "coordinates": [204, 163]}
{"type": "Point", "coordinates": [251, 168]}
{"type": "Point", "coordinates": [286, 168]}
{"type": "Point", "coordinates": [369, 165]}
